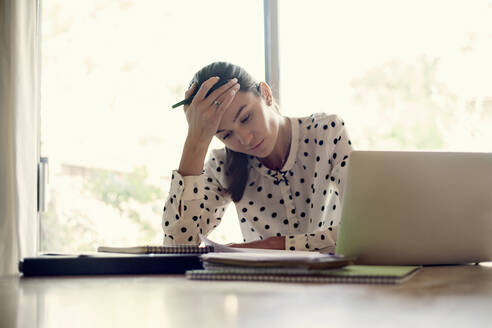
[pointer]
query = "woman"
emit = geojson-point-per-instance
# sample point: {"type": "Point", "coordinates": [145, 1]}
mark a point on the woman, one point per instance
{"type": "Point", "coordinates": [285, 175]}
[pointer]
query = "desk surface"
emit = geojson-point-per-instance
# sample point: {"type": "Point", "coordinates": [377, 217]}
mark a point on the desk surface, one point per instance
{"type": "Point", "coordinates": [451, 296]}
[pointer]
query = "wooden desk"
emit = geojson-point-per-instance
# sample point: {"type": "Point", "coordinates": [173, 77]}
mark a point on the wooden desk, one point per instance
{"type": "Point", "coordinates": [451, 296]}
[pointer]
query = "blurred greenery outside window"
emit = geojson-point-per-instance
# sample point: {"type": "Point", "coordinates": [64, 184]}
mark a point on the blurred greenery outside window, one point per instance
{"type": "Point", "coordinates": [403, 75]}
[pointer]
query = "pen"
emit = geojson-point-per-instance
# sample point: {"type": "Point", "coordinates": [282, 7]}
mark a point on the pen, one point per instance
{"type": "Point", "coordinates": [186, 101]}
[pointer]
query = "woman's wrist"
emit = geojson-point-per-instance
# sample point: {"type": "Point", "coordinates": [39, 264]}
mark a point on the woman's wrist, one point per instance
{"type": "Point", "coordinates": [193, 157]}
{"type": "Point", "coordinates": [197, 143]}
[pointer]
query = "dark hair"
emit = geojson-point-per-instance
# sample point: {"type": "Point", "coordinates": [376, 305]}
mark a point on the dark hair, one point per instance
{"type": "Point", "coordinates": [237, 171]}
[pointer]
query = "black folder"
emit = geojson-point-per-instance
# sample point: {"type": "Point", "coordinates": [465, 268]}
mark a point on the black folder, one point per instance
{"type": "Point", "coordinates": [49, 265]}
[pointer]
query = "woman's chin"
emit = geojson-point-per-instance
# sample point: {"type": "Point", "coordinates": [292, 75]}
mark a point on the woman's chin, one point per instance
{"type": "Point", "coordinates": [264, 153]}
{"type": "Point", "coordinates": [261, 152]}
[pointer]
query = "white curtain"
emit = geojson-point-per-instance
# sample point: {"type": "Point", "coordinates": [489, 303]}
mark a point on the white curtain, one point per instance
{"type": "Point", "coordinates": [19, 129]}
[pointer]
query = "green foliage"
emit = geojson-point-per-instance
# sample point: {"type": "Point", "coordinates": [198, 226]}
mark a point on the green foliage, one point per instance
{"type": "Point", "coordinates": [69, 224]}
{"type": "Point", "coordinates": [67, 231]}
{"type": "Point", "coordinates": [117, 189]}
{"type": "Point", "coordinates": [408, 97]}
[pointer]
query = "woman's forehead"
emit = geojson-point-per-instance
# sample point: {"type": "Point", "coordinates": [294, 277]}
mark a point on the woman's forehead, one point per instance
{"type": "Point", "coordinates": [238, 104]}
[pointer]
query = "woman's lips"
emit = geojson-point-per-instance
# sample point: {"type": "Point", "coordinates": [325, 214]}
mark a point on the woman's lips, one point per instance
{"type": "Point", "coordinates": [258, 145]}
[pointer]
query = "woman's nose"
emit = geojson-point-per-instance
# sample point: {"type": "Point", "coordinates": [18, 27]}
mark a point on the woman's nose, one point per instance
{"type": "Point", "coordinates": [244, 137]}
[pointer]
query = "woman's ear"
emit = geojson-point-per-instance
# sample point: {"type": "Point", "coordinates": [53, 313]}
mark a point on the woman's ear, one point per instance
{"type": "Point", "coordinates": [266, 93]}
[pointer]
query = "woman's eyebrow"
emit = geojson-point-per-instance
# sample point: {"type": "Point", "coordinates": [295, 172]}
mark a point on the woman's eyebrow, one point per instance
{"type": "Point", "coordinates": [235, 117]}
{"type": "Point", "coordinates": [238, 113]}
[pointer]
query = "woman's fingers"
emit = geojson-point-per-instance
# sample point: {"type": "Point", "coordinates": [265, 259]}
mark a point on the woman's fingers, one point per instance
{"type": "Point", "coordinates": [202, 92]}
{"type": "Point", "coordinates": [221, 91]}
{"type": "Point", "coordinates": [207, 85]}
{"type": "Point", "coordinates": [222, 104]}
{"type": "Point", "coordinates": [226, 99]}
{"type": "Point", "coordinates": [189, 92]}
{"type": "Point", "coordinates": [204, 117]}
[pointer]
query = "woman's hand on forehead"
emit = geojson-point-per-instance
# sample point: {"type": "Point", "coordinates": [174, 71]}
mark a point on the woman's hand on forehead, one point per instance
{"type": "Point", "coordinates": [205, 113]}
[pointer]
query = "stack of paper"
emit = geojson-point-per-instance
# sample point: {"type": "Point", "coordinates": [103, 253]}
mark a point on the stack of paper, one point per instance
{"type": "Point", "coordinates": [261, 259]}
{"type": "Point", "coordinates": [286, 266]}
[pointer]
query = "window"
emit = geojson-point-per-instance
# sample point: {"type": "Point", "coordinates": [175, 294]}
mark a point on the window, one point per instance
{"type": "Point", "coordinates": [402, 74]}
{"type": "Point", "coordinates": [110, 72]}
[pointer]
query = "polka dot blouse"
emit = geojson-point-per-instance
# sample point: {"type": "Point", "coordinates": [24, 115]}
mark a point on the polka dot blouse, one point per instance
{"type": "Point", "coordinates": [301, 201]}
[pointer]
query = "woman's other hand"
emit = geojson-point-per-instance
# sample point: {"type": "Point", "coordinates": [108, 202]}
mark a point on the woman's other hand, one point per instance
{"type": "Point", "coordinates": [269, 243]}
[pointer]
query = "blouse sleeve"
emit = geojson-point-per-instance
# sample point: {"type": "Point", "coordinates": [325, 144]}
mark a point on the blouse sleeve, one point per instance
{"type": "Point", "coordinates": [324, 238]}
{"type": "Point", "coordinates": [195, 204]}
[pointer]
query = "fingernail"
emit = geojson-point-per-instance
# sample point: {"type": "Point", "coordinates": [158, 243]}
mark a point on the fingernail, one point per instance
{"type": "Point", "coordinates": [234, 80]}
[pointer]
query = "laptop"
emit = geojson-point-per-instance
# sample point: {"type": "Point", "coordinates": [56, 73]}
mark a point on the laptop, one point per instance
{"type": "Point", "coordinates": [417, 208]}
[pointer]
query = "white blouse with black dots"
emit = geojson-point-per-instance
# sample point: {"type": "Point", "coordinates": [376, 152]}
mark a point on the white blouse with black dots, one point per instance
{"type": "Point", "coordinates": [301, 201]}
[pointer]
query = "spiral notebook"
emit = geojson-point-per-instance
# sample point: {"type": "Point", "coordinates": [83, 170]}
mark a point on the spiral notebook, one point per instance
{"type": "Point", "coordinates": [362, 274]}
{"type": "Point", "coordinates": [149, 249]}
